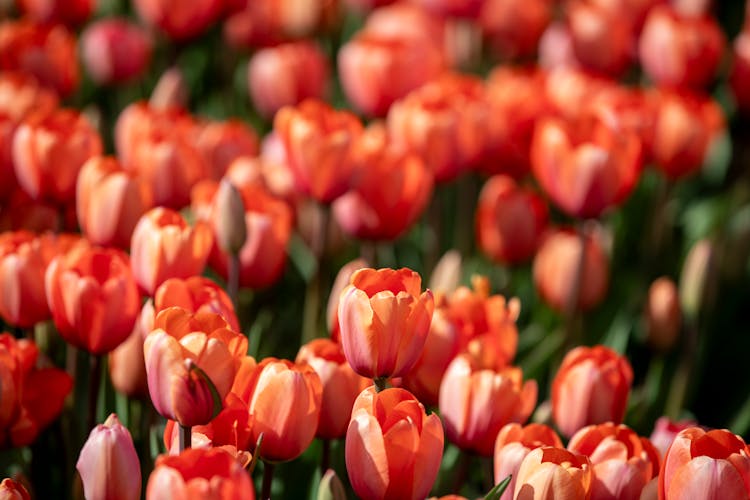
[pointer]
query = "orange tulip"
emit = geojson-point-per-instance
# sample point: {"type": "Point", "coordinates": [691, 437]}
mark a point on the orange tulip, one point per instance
{"type": "Point", "coordinates": [701, 464]}
{"type": "Point", "coordinates": [476, 402]}
{"type": "Point", "coordinates": [318, 142]}
{"type": "Point", "coordinates": [512, 444]}
{"type": "Point", "coordinates": [555, 264]}
{"type": "Point", "coordinates": [22, 264]}
{"type": "Point", "coordinates": [49, 151]}
{"type": "Point", "coordinates": [93, 297]}
{"type": "Point", "coordinates": [199, 474]}
{"type": "Point", "coordinates": [390, 190]}
{"type": "Point", "coordinates": [663, 313]}
{"type": "Point", "coordinates": [13, 490]}
{"type": "Point", "coordinates": [221, 143]}
{"type": "Point", "coordinates": [115, 50]}
{"type": "Point", "coordinates": [591, 387]}
{"type": "Point", "coordinates": [196, 294]}
{"type": "Point", "coordinates": [286, 75]}
{"type": "Point", "coordinates": [30, 398]}
{"type": "Point", "coordinates": [393, 448]}
{"type": "Point", "coordinates": [602, 36]}
{"type": "Point", "coordinates": [109, 202]}
{"type": "Point", "coordinates": [622, 462]}
{"type": "Point", "coordinates": [384, 319]}
{"type": "Point", "coordinates": [549, 473]}
{"type": "Point", "coordinates": [341, 385]}
{"type": "Point", "coordinates": [342, 281]}
{"type": "Point", "coordinates": [288, 423]}
{"type": "Point", "coordinates": [513, 28]}
{"type": "Point", "coordinates": [180, 342]}
{"type": "Point", "coordinates": [510, 220]}
{"type": "Point", "coordinates": [180, 21]}
{"type": "Point", "coordinates": [164, 246]}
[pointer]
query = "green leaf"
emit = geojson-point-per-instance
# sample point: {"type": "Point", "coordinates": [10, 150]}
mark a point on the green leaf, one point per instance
{"type": "Point", "coordinates": [218, 404]}
{"type": "Point", "coordinates": [496, 492]}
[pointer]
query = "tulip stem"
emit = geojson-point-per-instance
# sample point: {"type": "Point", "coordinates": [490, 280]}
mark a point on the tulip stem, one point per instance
{"type": "Point", "coordinates": [186, 437]}
{"type": "Point", "coordinates": [381, 384]}
{"type": "Point", "coordinates": [312, 292]}
{"type": "Point", "coordinates": [233, 279]}
{"type": "Point", "coordinates": [325, 456]}
{"type": "Point", "coordinates": [573, 300]}
{"type": "Point", "coordinates": [94, 383]}
{"type": "Point", "coordinates": [265, 492]}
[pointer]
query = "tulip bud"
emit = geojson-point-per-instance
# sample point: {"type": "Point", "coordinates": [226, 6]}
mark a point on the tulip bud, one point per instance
{"type": "Point", "coordinates": [170, 91]}
{"type": "Point", "coordinates": [331, 487]}
{"type": "Point", "coordinates": [229, 224]}
{"type": "Point", "coordinates": [447, 273]}
{"type": "Point", "coordinates": [697, 278]}
{"type": "Point", "coordinates": [13, 490]}
{"type": "Point", "coordinates": [663, 315]}
{"type": "Point", "coordinates": [115, 50]}
{"type": "Point", "coordinates": [108, 463]}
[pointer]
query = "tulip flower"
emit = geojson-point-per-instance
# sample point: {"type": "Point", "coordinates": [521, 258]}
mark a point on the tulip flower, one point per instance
{"type": "Point", "coordinates": [665, 430]}
{"type": "Point", "coordinates": [115, 50]}
{"type": "Point", "coordinates": [342, 281]}
{"type": "Point", "coordinates": [393, 448]}
{"type": "Point", "coordinates": [191, 359]}
{"type": "Point", "coordinates": [510, 220]}
{"type": "Point", "coordinates": [13, 490]}
{"type": "Point", "coordinates": [127, 368]}
{"type": "Point", "coordinates": [705, 464]}
{"type": "Point", "coordinates": [264, 23]}
{"type": "Point", "coordinates": [196, 294]}
{"type": "Point", "coordinates": [49, 151]}
{"type": "Point", "coordinates": [476, 402]}
{"type": "Point", "coordinates": [553, 473]}
{"type": "Point", "coordinates": [93, 297]}
{"type": "Point", "coordinates": [384, 319]}
{"type": "Point", "coordinates": [455, 8]}
{"type": "Point", "coordinates": [591, 387]}
{"type": "Point", "coordinates": [69, 12]}
{"type": "Point", "coordinates": [108, 463]}
{"type": "Point", "coordinates": [663, 314]}
{"type": "Point", "coordinates": [341, 385]}
{"type": "Point", "coordinates": [179, 22]}
{"type": "Point", "coordinates": [602, 36]}
{"type": "Point", "coordinates": [199, 474]}
{"type": "Point", "coordinates": [512, 444]}
{"type": "Point", "coordinates": [288, 423]}
{"type": "Point", "coordinates": [622, 462]}
{"type": "Point", "coordinates": [220, 143]}
{"type": "Point", "coordinates": [513, 27]}
{"type": "Point", "coordinates": [740, 73]}
{"type": "Point", "coordinates": [164, 246]}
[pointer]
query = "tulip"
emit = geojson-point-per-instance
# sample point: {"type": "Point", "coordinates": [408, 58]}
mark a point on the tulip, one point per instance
{"type": "Point", "coordinates": [69, 12]}
{"type": "Point", "coordinates": [188, 358]}
{"type": "Point", "coordinates": [663, 314]}
{"type": "Point", "coordinates": [512, 27]}
{"type": "Point", "coordinates": [389, 193]}
{"type": "Point", "coordinates": [701, 464]}
{"type": "Point", "coordinates": [22, 264]}
{"type": "Point", "coordinates": [115, 50]}
{"type": "Point", "coordinates": [286, 75]}
{"type": "Point", "coordinates": [199, 474]}
{"type": "Point", "coordinates": [164, 246]}
{"type": "Point", "coordinates": [180, 22]}
{"type": "Point", "coordinates": [393, 448]}
{"type": "Point", "coordinates": [622, 462]}
{"type": "Point", "coordinates": [271, 22]}
{"type": "Point", "coordinates": [555, 265]}
{"type": "Point", "coordinates": [602, 36]}
{"type": "Point", "coordinates": [512, 444]}
{"type": "Point", "coordinates": [569, 91]}
{"type": "Point", "coordinates": [109, 202]}
{"type": "Point", "coordinates": [318, 141]}
{"type": "Point", "coordinates": [108, 463]}
{"type": "Point", "coordinates": [49, 151]}
{"type": "Point", "coordinates": [93, 297]}
{"type": "Point", "coordinates": [591, 387]}
{"type": "Point", "coordinates": [341, 385]}
{"type": "Point", "coordinates": [195, 294]}
{"type": "Point", "coordinates": [665, 430]}
{"type": "Point", "coordinates": [13, 490]}
{"type": "Point", "coordinates": [510, 220]}
{"type": "Point", "coordinates": [476, 402]}
{"type": "Point", "coordinates": [384, 319]}
{"type": "Point", "coordinates": [553, 473]}
{"type": "Point", "coordinates": [740, 73]}
{"type": "Point", "coordinates": [454, 8]}
{"type": "Point", "coordinates": [127, 368]}
{"type": "Point", "coordinates": [220, 143]}
{"type": "Point", "coordinates": [342, 281]}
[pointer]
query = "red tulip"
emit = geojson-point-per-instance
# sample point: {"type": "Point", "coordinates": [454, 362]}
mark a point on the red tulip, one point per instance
{"type": "Point", "coordinates": [622, 462]}
{"type": "Point", "coordinates": [115, 50]}
{"type": "Point", "coordinates": [181, 342]}
{"type": "Point", "coordinates": [341, 385]}
{"type": "Point", "coordinates": [13, 490]}
{"type": "Point", "coordinates": [476, 402]}
{"type": "Point", "coordinates": [512, 444]}
{"type": "Point", "coordinates": [221, 143]}
{"type": "Point", "coordinates": [602, 36]}
{"type": "Point", "coordinates": [164, 246]}
{"type": "Point", "coordinates": [739, 77]}
{"type": "Point", "coordinates": [49, 151]}
{"type": "Point", "coordinates": [591, 387]}
{"type": "Point", "coordinates": [700, 464]}
{"type": "Point", "coordinates": [108, 464]}
{"type": "Point", "coordinates": [553, 473]}
{"type": "Point", "coordinates": [393, 448]}
{"type": "Point", "coordinates": [510, 220]}
{"type": "Point", "coordinates": [199, 474]}
{"type": "Point", "coordinates": [180, 21]}
{"type": "Point", "coordinates": [93, 297]}
{"type": "Point", "coordinates": [70, 12]}
{"type": "Point", "coordinates": [453, 8]}
{"type": "Point", "coordinates": [384, 320]}
{"type": "Point", "coordinates": [255, 23]}
{"type": "Point", "coordinates": [665, 430]}
{"type": "Point", "coordinates": [512, 27]}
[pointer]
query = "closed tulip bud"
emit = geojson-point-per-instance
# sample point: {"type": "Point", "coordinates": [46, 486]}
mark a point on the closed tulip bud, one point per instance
{"type": "Point", "coordinates": [115, 50]}
{"type": "Point", "coordinates": [13, 490]}
{"type": "Point", "coordinates": [512, 444]}
{"type": "Point", "coordinates": [513, 28]}
{"type": "Point", "coordinates": [384, 319]}
{"type": "Point", "coordinates": [200, 474]}
{"type": "Point", "coordinates": [393, 448]}
{"type": "Point", "coordinates": [331, 487]}
{"type": "Point", "coordinates": [49, 151]}
{"type": "Point", "coordinates": [705, 464]}
{"type": "Point", "coordinates": [623, 463]}
{"type": "Point", "coordinates": [108, 463]}
{"type": "Point", "coordinates": [341, 385]}
{"type": "Point", "coordinates": [93, 297]}
{"type": "Point", "coordinates": [164, 246]}
{"type": "Point", "coordinates": [342, 281]}
{"type": "Point", "coordinates": [229, 224]}
{"type": "Point", "coordinates": [663, 314]}
{"type": "Point", "coordinates": [698, 277]}
{"type": "Point", "coordinates": [591, 387]}
{"type": "Point", "coordinates": [179, 22]}
{"type": "Point", "coordinates": [665, 430]}
{"type": "Point", "coordinates": [287, 423]}
{"type": "Point", "coordinates": [549, 473]}
{"type": "Point", "coordinates": [476, 403]}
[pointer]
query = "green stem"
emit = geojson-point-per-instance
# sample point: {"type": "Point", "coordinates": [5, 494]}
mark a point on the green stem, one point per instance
{"type": "Point", "coordinates": [186, 437]}
{"type": "Point", "coordinates": [233, 279]}
{"type": "Point", "coordinates": [268, 469]}
{"type": "Point", "coordinates": [95, 378]}
{"type": "Point", "coordinates": [310, 315]}
{"type": "Point", "coordinates": [325, 456]}
{"type": "Point", "coordinates": [573, 300]}
{"type": "Point", "coordinates": [381, 383]}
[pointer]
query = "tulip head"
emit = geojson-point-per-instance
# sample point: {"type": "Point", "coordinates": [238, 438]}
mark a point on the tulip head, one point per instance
{"type": "Point", "coordinates": [553, 473]}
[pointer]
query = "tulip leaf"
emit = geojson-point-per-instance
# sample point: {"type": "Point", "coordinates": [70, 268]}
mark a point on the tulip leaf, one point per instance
{"type": "Point", "coordinates": [496, 492]}
{"type": "Point", "coordinates": [218, 404]}
{"type": "Point", "coordinates": [256, 454]}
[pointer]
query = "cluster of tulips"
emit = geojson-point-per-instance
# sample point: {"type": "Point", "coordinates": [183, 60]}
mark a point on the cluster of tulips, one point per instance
{"type": "Point", "coordinates": [146, 246]}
